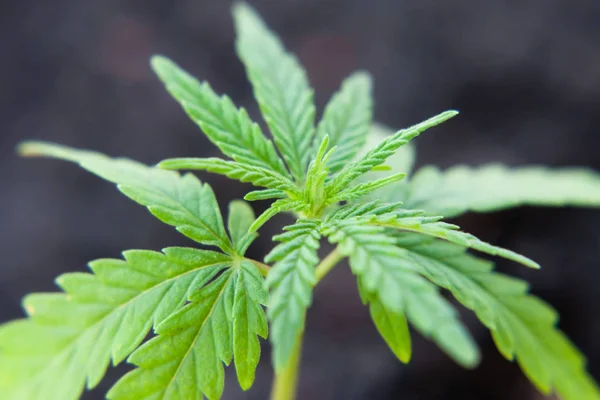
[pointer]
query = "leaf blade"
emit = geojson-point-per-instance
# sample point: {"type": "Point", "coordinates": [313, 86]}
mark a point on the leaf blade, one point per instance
{"type": "Point", "coordinates": [522, 326]}
{"type": "Point", "coordinates": [234, 170]}
{"type": "Point", "coordinates": [290, 284]}
{"type": "Point", "coordinates": [385, 149]}
{"type": "Point", "coordinates": [229, 128]}
{"type": "Point", "coordinates": [346, 119]}
{"type": "Point", "coordinates": [495, 187]}
{"type": "Point", "coordinates": [180, 201]}
{"type": "Point", "coordinates": [280, 87]}
{"type": "Point", "coordinates": [71, 337]}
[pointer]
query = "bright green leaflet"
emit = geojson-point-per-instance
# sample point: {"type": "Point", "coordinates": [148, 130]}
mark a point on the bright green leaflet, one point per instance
{"type": "Point", "coordinates": [185, 361]}
{"type": "Point", "coordinates": [241, 217]}
{"type": "Point", "coordinates": [523, 326]}
{"type": "Point", "coordinates": [389, 281]}
{"type": "Point", "coordinates": [290, 285]}
{"type": "Point", "coordinates": [347, 119]}
{"type": "Point", "coordinates": [181, 201]}
{"type": "Point", "coordinates": [402, 161]}
{"type": "Point", "coordinates": [71, 337]}
{"type": "Point", "coordinates": [280, 87]}
{"type": "Point", "coordinates": [227, 127]}
{"type": "Point", "coordinates": [385, 149]}
{"type": "Point", "coordinates": [495, 187]}
{"type": "Point", "coordinates": [234, 170]}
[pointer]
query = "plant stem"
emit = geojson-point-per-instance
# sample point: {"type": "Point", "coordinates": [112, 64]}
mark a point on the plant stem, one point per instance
{"type": "Point", "coordinates": [327, 264]}
{"type": "Point", "coordinates": [286, 381]}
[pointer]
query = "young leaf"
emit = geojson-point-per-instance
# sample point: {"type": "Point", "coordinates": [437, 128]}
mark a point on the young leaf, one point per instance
{"type": "Point", "coordinates": [265, 194]}
{"type": "Point", "coordinates": [359, 191]}
{"type": "Point", "coordinates": [277, 207]}
{"type": "Point", "coordinates": [234, 170]}
{"type": "Point", "coordinates": [290, 283]}
{"type": "Point", "coordinates": [227, 127]}
{"type": "Point", "coordinates": [241, 217]}
{"type": "Point", "coordinates": [402, 161]}
{"type": "Point", "coordinates": [346, 120]}
{"type": "Point", "coordinates": [249, 320]}
{"type": "Point", "coordinates": [181, 201]}
{"type": "Point", "coordinates": [495, 187]}
{"type": "Point", "coordinates": [280, 86]}
{"type": "Point", "coordinates": [70, 338]}
{"type": "Point", "coordinates": [391, 324]}
{"type": "Point", "coordinates": [433, 227]}
{"type": "Point", "coordinates": [383, 151]}
{"type": "Point", "coordinates": [389, 281]}
{"type": "Point", "coordinates": [185, 361]}
{"type": "Point", "coordinates": [523, 326]}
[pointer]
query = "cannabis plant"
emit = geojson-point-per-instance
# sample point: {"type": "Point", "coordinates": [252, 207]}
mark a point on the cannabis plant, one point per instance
{"type": "Point", "coordinates": [205, 307]}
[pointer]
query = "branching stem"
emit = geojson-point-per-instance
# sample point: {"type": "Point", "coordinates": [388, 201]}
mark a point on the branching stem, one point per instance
{"type": "Point", "coordinates": [327, 264]}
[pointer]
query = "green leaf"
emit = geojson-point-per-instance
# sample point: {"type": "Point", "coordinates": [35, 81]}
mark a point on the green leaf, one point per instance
{"type": "Point", "coordinates": [181, 201]}
{"type": "Point", "coordinates": [280, 86]}
{"type": "Point", "coordinates": [241, 217]}
{"type": "Point", "coordinates": [347, 119]}
{"type": "Point", "coordinates": [227, 127]}
{"type": "Point", "coordinates": [360, 191]}
{"type": "Point", "coordinates": [277, 207]}
{"type": "Point", "coordinates": [495, 187]}
{"type": "Point", "coordinates": [385, 149]}
{"type": "Point", "coordinates": [249, 320]}
{"type": "Point", "coordinates": [389, 281]}
{"type": "Point", "coordinates": [522, 325]}
{"type": "Point", "coordinates": [402, 161]}
{"type": "Point", "coordinates": [407, 221]}
{"type": "Point", "coordinates": [290, 284]}
{"type": "Point", "coordinates": [265, 194]}
{"type": "Point", "coordinates": [234, 170]}
{"type": "Point", "coordinates": [70, 338]}
{"type": "Point", "coordinates": [392, 326]}
{"type": "Point", "coordinates": [185, 361]}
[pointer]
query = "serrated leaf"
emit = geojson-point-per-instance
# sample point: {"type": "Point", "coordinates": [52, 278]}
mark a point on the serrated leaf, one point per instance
{"type": "Point", "coordinates": [280, 86]}
{"type": "Point", "coordinates": [185, 361]}
{"type": "Point", "coordinates": [227, 127]}
{"type": "Point", "coordinates": [391, 325]}
{"type": "Point", "coordinates": [385, 149]}
{"type": "Point", "coordinates": [346, 120]}
{"type": "Point", "coordinates": [234, 170]}
{"type": "Point", "coordinates": [495, 187]}
{"type": "Point", "coordinates": [290, 283]}
{"type": "Point", "coordinates": [181, 201]}
{"type": "Point", "coordinates": [402, 161]}
{"type": "Point", "coordinates": [249, 320]}
{"type": "Point", "coordinates": [389, 281]}
{"type": "Point", "coordinates": [277, 207]}
{"type": "Point", "coordinates": [523, 327]}
{"type": "Point", "coordinates": [239, 220]}
{"type": "Point", "coordinates": [70, 338]}
{"type": "Point", "coordinates": [363, 189]}
{"type": "Point", "coordinates": [265, 194]}
{"type": "Point", "coordinates": [406, 220]}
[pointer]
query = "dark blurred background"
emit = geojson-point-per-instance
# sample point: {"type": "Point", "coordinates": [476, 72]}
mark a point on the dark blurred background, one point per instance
{"type": "Point", "coordinates": [525, 74]}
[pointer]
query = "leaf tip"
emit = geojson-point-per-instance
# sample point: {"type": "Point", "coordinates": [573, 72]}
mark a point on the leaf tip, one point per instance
{"type": "Point", "coordinates": [30, 149]}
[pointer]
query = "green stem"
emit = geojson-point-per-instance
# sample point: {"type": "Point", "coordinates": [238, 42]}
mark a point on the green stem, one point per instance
{"type": "Point", "coordinates": [327, 264]}
{"type": "Point", "coordinates": [286, 380]}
